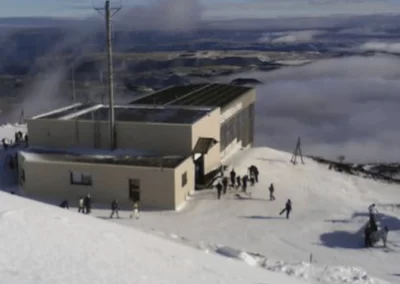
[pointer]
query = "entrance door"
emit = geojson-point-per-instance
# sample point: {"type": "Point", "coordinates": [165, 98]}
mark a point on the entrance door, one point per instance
{"type": "Point", "coordinates": [134, 189]}
{"type": "Point", "coordinates": [199, 170]}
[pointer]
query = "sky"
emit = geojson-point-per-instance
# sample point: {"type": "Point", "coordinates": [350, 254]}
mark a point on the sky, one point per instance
{"type": "Point", "coordinates": [214, 9]}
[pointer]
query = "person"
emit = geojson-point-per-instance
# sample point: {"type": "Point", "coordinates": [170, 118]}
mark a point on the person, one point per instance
{"type": "Point", "coordinates": [367, 236]}
{"type": "Point", "coordinates": [64, 204]}
{"type": "Point", "coordinates": [244, 183]}
{"type": "Point", "coordinates": [135, 212]}
{"type": "Point", "coordinates": [271, 192]}
{"type": "Point", "coordinates": [87, 203]}
{"type": "Point", "coordinates": [253, 171]}
{"type": "Point", "coordinates": [114, 208]}
{"type": "Point", "coordinates": [238, 182]}
{"type": "Point", "coordinates": [372, 210]}
{"type": "Point", "coordinates": [219, 190]}
{"type": "Point", "coordinates": [233, 177]}
{"type": "Point", "coordinates": [5, 144]}
{"type": "Point", "coordinates": [385, 235]}
{"type": "Point", "coordinates": [287, 209]}
{"type": "Point", "coordinates": [81, 205]}
{"type": "Point", "coordinates": [225, 184]}
{"type": "Point", "coordinates": [252, 181]}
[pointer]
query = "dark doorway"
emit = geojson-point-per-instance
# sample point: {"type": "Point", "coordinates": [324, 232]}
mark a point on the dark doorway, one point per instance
{"type": "Point", "coordinates": [199, 170]}
{"type": "Point", "coordinates": [134, 189]}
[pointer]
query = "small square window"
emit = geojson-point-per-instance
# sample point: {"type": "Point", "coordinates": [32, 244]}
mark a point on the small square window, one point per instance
{"type": "Point", "coordinates": [80, 179]}
{"type": "Point", "coordinates": [184, 179]}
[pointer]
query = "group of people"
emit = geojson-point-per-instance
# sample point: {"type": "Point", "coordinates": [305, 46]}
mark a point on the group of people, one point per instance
{"type": "Point", "coordinates": [371, 232]}
{"type": "Point", "coordinates": [19, 138]}
{"type": "Point", "coordinates": [237, 182]}
{"type": "Point", "coordinates": [85, 205]}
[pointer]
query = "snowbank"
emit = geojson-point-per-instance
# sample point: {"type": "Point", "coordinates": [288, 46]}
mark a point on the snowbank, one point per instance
{"type": "Point", "coordinates": [45, 244]}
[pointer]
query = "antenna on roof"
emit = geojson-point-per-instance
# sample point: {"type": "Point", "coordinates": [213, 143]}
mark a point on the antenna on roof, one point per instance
{"type": "Point", "coordinates": [297, 152]}
{"type": "Point", "coordinates": [108, 12]}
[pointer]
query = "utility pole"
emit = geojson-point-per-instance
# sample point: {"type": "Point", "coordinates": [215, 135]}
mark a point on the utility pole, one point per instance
{"type": "Point", "coordinates": [297, 152]}
{"type": "Point", "coordinates": [73, 84]}
{"type": "Point", "coordinates": [109, 12]}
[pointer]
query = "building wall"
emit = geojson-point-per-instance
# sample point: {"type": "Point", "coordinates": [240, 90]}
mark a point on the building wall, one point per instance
{"type": "Point", "coordinates": [209, 127]}
{"type": "Point", "coordinates": [237, 127]}
{"type": "Point", "coordinates": [164, 139]}
{"type": "Point", "coordinates": [183, 190]}
{"type": "Point", "coordinates": [51, 180]}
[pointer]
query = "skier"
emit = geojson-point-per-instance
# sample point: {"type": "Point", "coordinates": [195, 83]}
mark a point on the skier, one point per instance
{"type": "Point", "coordinates": [225, 184]}
{"type": "Point", "coordinates": [287, 209]}
{"type": "Point", "coordinates": [244, 183]}
{"type": "Point", "coordinates": [135, 211]}
{"type": "Point", "coordinates": [233, 177]}
{"type": "Point", "coordinates": [5, 144]}
{"type": "Point", "coordinates": [87, 203]}
{"type": "Point", "coordinates": [271, 192]}
{"type": "Point", "coordinates": [372, 210]}
{"type": "Point", "coordinates": [64, 204]}
{"type": "Point", "coordinates": [238, 182]}
{"type": "Point", "coordinates": [114, 208]}
{"type": "Point", "coordinates": [384, 235]}
{"type": "Point", "coordinates": [219, 190]}
{"type": "Point", "coordinates": [81, 205]}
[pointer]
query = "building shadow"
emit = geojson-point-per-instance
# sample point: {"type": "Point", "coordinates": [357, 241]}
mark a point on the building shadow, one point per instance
{"type": "Point", "coordinates": [392, 222]}
{"type": "Point", "coordinates": [342, 239]}
{"type": "Point", "coordinates": [256, 217]}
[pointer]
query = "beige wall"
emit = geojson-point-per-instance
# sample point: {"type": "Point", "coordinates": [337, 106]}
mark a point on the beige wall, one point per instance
{"type": "Point", "coordinates": [51, 180]}
{"type": "Point", "coordinates": [209, 127]}
{"type": "Point", "coordinates": [164, 139]}
{"type": "Point", "coordinates": [181, 192]}
{"type": "Point", "coordinates": [246, 100]}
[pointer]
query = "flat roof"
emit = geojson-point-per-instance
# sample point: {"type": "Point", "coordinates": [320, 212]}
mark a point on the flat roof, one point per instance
{"type": "Point", "coordinates": [210, 95]}
{"type": "Point", "coordinates": [146, 114]}
{"type": "Point", "coordinates": [59, 113]}
{"type": "Point", "coordinates": [103, 157]}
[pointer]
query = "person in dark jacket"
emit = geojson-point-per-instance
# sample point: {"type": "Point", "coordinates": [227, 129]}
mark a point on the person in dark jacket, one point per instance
{"type": "Point", "coordinates": [64, 204]}
{"type": "Point", "coordinates": [244, 183]}
{"type": "Point", "coordinates": [114, 208]}
{"type": "Point", "coordinates": [233, 178]}
{"type": "Point", "coordinates": [287, 209]}
{"type": "Point", "coordinates": [238, 182]}
{"type": "Point", "coordinates": [271, 192]}
{"type": "Point", "coordinates": [87, 203]}
{"type": "Point", "coordinates": [219, 190]}
{"type": "Point", "coordinates": [367, 236]}
{"type": "Point", "coordinates": [225, 184]}
{"type": "Point", "coordinates": [253, 171]}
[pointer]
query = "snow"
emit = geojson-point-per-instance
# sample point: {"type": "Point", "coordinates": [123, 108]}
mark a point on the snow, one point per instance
{"type": "Point", "coordinates": [329, 211]}
{"type": "Point", "coordinates": [8, 131]}
{"type": "Point", "coordinates": [45, 244]}
{"type": "Point", "coordinates": [232, 240]}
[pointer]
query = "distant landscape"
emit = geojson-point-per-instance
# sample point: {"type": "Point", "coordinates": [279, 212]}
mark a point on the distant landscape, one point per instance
{"type": "Point", "coordinates": [46, 63]}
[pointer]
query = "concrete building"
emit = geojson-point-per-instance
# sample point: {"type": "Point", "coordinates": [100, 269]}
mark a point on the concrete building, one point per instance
{"type": "Point", "coordinates": [167, 144]}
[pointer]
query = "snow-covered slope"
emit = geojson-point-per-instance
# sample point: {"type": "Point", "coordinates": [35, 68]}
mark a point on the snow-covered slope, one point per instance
{"type": "Point", "coordinates": [45, 244]}
{"type": "Point", "coordinates": [329, 209]}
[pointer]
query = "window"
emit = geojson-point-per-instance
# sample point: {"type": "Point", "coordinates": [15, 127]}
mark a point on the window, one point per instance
{"type": "Point", "coordinates": [134, 189]}
{"type": "Point", "coordinates": [80, 178]}
{"type": "Point", "coordinates": [184, 179]}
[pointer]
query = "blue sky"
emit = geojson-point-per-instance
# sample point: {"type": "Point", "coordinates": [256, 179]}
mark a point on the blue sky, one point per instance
{"type": "Point", "coordinates": [214, 8]}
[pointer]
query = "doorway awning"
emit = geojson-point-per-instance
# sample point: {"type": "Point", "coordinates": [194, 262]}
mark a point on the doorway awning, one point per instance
{"type": "Point", "coordinates": [204, 144]}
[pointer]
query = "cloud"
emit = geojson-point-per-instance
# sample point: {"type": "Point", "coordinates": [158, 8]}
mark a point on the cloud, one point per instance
{"type": "Point", "coordinates": [299, 8]}
{"type": "Point", "coordinates": [381, 47]}
{"type": "Point", "coordinates": [290, 36]}
{"type": "Point", "coordinates": [163, 15]}
{"type": "Point", "coordinates": [345, 106]}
